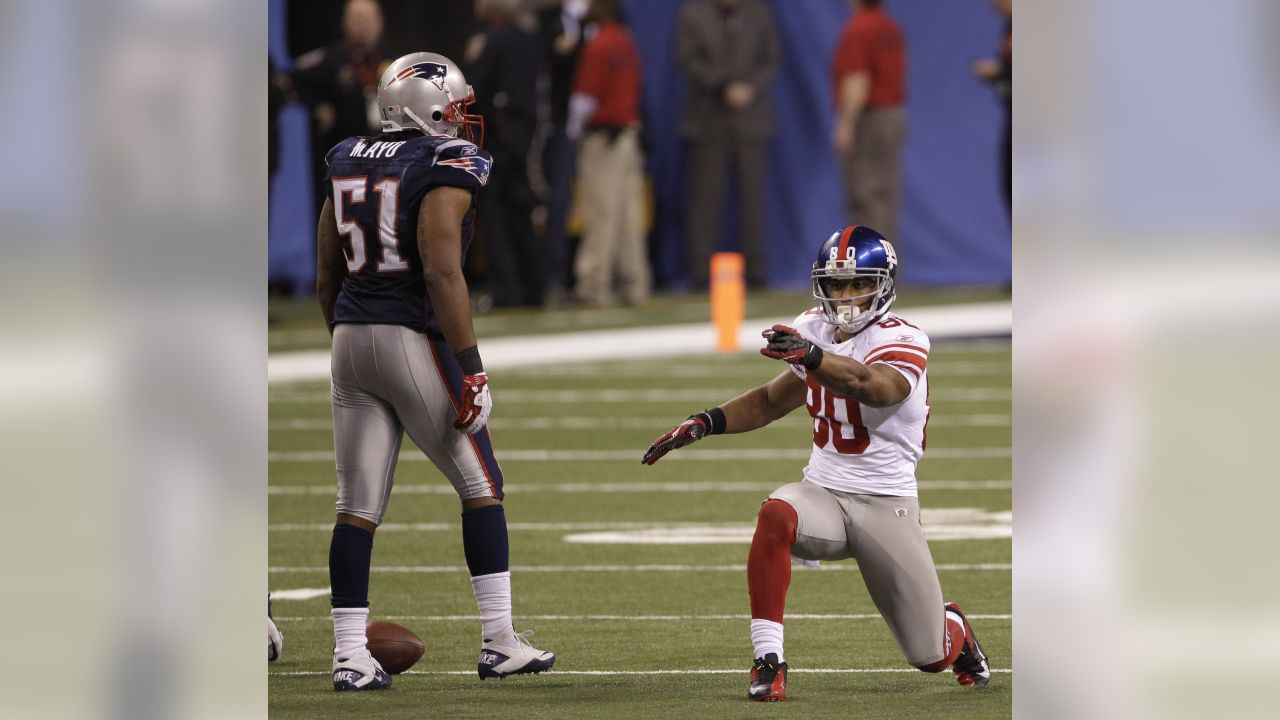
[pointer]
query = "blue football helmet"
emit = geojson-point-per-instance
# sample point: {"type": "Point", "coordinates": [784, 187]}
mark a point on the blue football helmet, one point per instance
{"type": "Point", "coordinates": [855, 251]}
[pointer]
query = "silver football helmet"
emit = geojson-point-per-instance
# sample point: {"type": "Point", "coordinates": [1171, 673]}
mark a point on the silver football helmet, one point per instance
{"type": "Point", "coordinates": [426, 91]}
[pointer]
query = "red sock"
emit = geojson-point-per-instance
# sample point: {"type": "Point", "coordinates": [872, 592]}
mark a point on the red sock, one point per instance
{"type": "Point", "coordinates": [952, 644]}
{"type": "Point", "coordinates": [769, 563]}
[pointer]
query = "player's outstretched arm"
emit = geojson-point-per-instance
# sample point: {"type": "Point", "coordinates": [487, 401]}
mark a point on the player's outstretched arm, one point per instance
{"type": "Point", "coordinates": [440, 245]}
{"type": "Point", "coordinates": [871, 385]}
{"type": "Point", "coordinates": [753, 409]}
{"type": "Point", "coordinates": [331, 264]}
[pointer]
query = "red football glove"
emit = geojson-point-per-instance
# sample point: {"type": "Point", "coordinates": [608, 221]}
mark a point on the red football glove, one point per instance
{"type": "Point", "coordinates": [473, 413]}
{"type": "Point", "coordinates": [693, 429]}
{"type": "Point", "coordinates": [787, 344]}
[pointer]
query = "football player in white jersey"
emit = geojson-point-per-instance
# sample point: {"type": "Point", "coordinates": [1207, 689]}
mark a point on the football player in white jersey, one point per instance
{"type": "Point", "coordinates": [862, 373]}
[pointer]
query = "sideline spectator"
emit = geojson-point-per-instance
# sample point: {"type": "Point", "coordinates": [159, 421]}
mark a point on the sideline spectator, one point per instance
{"type": "Point", "coordinates": [604, 113]}
{"type": "Point", "coordinates": [729, 53]}
{"type": "Point", "coordinates": [871, 122]}
{"type": "Point", "coordinates": [502, 64]}
{"type": "Point", "coordinates": [339, 84]}
{"type": "Point", "coordinates": [564, 31]}
{"type": "Point", "coordinates": [998, 72]}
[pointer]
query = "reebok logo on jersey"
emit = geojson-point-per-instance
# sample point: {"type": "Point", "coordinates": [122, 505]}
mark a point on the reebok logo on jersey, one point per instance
{"type": "Point", "coordinates": [906, 338]}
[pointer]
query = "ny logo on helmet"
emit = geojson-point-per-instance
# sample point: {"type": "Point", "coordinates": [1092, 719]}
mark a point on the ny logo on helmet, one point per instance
{"type": "Point", "coordinates": [890, 253]}
{"type": "Point", "coordinates": [434, 72]}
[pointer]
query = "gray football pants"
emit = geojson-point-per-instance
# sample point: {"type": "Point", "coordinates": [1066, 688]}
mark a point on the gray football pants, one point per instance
{"type": "Point", "coordinates": [884, 534]}
{"type": "Point", "coordinates": [389, 380]}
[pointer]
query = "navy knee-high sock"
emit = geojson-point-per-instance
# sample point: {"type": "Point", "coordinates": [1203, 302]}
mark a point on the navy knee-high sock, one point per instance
{"type": "Point", "coordinates": [484, 540]}
{"type": "Point", "coordinates": [350, 552]}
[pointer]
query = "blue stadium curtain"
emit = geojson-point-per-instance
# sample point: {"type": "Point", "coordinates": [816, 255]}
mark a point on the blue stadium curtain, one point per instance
{"type": "Point", "coordinates": [954, 223]}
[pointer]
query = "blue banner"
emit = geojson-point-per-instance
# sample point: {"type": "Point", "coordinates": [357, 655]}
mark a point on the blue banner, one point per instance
{"type": "Point", "coordinates": [954, 224]}
{"type": "Point", "coordinates": [955, 228]}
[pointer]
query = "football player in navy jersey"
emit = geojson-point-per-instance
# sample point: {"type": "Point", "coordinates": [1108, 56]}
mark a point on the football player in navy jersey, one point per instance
{"type": "Point", "coordinates": [392, 238]}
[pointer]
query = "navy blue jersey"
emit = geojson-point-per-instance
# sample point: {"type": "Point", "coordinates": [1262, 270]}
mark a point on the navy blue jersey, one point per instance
{"type": "Point", "coordinates": [377, 185]}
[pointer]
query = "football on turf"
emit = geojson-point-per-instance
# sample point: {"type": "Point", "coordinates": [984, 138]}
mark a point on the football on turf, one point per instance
{"type": "Point", "coordinates": [394, 646]}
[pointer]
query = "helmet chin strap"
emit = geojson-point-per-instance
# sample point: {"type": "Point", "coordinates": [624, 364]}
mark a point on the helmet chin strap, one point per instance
{"type": "Point", "coordinates": [422, 124]}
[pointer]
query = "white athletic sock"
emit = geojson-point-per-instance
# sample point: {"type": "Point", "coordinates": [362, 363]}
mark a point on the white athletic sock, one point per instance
{"type": "Point", "coordinates": [766, 637]}
{"type": "Point", "coordinates": [493, 599]}
{"type": "Point", "coordinates": [348, 631]}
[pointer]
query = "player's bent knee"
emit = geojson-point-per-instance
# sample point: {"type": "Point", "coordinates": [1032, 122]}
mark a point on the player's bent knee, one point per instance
{"type": "Point", "coordinates": [777, 521]}
{"type": "Point", "coordinates": [364, 520]}
{"type": "Point", "coordinates": [477, 503]}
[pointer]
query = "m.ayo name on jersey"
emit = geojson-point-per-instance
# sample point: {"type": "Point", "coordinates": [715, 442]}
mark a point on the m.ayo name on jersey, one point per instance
{"type": "Point", "coordinates": [362, 149]}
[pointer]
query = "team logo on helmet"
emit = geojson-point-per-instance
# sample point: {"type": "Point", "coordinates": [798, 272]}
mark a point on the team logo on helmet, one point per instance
{"type": "Point", "coordinates": [434, 72]}
{"type": "Point", "coordinates": [890, 253]}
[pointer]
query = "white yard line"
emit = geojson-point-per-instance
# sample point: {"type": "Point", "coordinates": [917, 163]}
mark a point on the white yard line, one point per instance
{"type": "Point", "coordinates": [644, 395]}
{"type": "Point", "coordinates": [735, 671]}
{"type": "Point", "coordinates": [445, 569]}
{"type": "Point", "coordinates": [945, 523]}
{"type": "Point", "coordinates": [444, 488]}
{"type": "Point", "coordinates": [532, 526]}
{"type": "Point", "coordinates": [937, 368]}
{"type": "Point", "coordinates": [634, 455]}
{"type": "Point", "coordinates": [941, 524]}
{"type": "Point", "coordinates": [941, 322]}
{"type": "Point", "coordinates": [609, 618]}
{"type": "Point", "coordinates": [634, 422]}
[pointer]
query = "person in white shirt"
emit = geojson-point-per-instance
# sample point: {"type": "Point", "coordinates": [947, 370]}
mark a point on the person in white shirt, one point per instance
{"type": "Point", "coordinates": [861, 371]}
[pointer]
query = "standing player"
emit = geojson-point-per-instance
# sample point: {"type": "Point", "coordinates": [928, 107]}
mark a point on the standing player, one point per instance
{"type": "Point", "coordinates": [392, 238]}
{"type": "Point", "coordinates": [861, 372]}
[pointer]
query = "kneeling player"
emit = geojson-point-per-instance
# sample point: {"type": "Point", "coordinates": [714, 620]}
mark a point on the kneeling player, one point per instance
{"type": "Point", "coordinates": [861, 372]}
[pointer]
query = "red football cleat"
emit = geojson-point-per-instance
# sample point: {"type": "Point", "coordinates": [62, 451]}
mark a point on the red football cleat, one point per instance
{"type": "Point", "coordinates": [768, 679]}
{"type": "Point", "coordinates": [971, 668]}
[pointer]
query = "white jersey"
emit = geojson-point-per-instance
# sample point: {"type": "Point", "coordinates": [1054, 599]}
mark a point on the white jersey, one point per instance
{"type": "Point", "coordinates": [860, 449]}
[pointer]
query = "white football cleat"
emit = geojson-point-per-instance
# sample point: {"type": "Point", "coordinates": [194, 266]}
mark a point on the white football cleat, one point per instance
{"type": "Point", "coordinates": [275, 641]}
{"type": "Point", "coordinates": [275, 638]}
{"type": "Point", "coordinates": [500, 660]}
{"type": "Point", "coordinates": [359, 672]}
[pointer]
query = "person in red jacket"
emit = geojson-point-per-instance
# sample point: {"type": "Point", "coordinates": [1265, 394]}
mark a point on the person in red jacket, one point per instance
{"type": "Point", "coordinates": [604, 114]}
{"type": "Point", "coordinates": [869, 73]}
